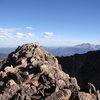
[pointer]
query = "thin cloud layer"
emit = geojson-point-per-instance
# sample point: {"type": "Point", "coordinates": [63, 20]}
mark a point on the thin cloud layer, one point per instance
{"type": "Point", "coordinates": [13, 33]}
{"type": "Point", "coordinates": [29, 28]}
{"type": "Point", "coordinates": [59, 42]}
{"type": "Point", "coordinates": [8, 30]}
{"type": "Point", "coordinates": [31, 34]}
{"type": "Point", "coordinates": [21, 35]}
{"type": "Point", "coordinates": [17, 36]}
{"type": "Point", "coordinates": [3, 35]}
{"type": "Point", "coordinates": [13, 37]}
{"type": "Point", "coordinates": [48, 34]}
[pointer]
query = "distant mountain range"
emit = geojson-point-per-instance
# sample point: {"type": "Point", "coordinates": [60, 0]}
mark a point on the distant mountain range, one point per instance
{"type": "Point", "coordinates": [77, 49]}
{"type": "Point", "coordinates": [5, 51]}
{"type": "Point", "coordinates": [59, 51]}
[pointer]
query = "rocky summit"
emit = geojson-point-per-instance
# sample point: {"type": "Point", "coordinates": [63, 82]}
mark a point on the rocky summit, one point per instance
{"type": "Point", "coordinates": [31, 73]}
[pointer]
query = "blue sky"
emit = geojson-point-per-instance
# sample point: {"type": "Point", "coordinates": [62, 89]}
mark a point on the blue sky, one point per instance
{"type": "Point", "coordinates": [49, 22]}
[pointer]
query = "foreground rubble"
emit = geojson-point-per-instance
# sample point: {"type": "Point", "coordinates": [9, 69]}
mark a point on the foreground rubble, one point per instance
{"type": "Point", "coordinates": [30, 73]}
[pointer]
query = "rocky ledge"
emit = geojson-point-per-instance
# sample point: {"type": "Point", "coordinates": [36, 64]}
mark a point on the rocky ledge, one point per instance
{"type": "Point", "coordinates": [31, 73]}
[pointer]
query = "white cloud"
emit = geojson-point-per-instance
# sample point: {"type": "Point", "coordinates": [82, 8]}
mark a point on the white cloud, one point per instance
{"type": "Point", "coordinates": [29, 28]}
{"type": "Point", "coordinates": [11, 37]}
{"type": "Point", "coordinates": [30, 34]}
{"type": "Point", "coordinates": [96, 42]}
{"type": "Point", "coordinates": [2, 36]}
{"type": "Point", "coordinates": [7, 30]}
{"type": "Point", "coordinates": [6, 35]}
{"type": "Point", "coordinates": [21, 35]}
{"type": "Point", "coordinates": [48, 34]}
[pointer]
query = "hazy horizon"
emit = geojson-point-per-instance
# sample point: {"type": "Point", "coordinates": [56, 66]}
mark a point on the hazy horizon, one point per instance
{"type": "Point", "coordinates": [52, 46]}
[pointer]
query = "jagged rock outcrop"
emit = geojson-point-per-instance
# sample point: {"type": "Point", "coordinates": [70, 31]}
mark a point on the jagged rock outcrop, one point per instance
{"type": "Point", "coordinates": [85, 67]}
{"type": "Point", "coordinates": [30, 73]}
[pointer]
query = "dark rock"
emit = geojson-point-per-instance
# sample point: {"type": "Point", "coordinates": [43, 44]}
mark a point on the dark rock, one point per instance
{"type": "Point", "coordinates": [84, 67]}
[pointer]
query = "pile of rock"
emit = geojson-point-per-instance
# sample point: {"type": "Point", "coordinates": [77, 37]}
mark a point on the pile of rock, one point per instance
{"type": "Point", "coordinates": [30, 73]}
